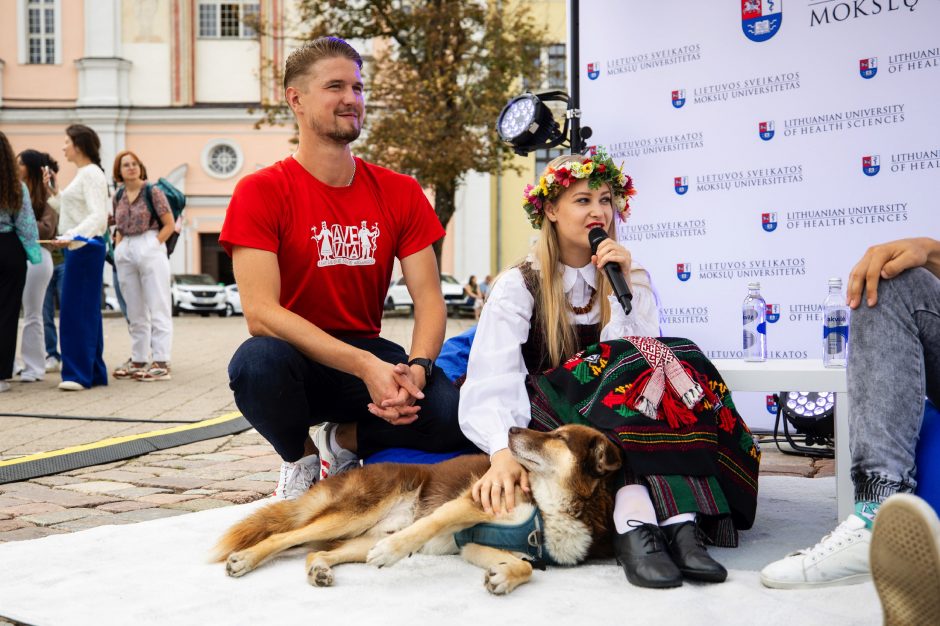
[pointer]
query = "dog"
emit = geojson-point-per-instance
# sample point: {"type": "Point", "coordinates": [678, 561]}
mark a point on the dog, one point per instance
{"type": "Point", "coordinates": [378, 514]}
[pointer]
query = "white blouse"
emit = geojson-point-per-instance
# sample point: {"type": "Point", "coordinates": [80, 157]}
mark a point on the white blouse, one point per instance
{"type": "Point", "coordinates": [83, 205]}
{"type": "Point", "coordinates": [494, 398]}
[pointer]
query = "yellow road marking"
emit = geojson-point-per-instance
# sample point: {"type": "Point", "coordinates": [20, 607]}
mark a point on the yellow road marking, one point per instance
{"type": "Point", "coordinates": [117, 440]}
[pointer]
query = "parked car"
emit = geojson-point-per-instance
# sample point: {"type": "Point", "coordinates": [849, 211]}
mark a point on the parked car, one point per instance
{"type": "Point", "coordinates": [197, 293]}
{"type": "Point", "coordinates": [233, 301]}
{"type": "Point", "coordinates": [454, 297]}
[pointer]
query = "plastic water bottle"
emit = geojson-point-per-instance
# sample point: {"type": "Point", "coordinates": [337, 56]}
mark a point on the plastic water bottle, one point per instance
{"type": "Point", "coordinates": [835, 326]}
{"type": "Point", "coordinates": [755, 325]}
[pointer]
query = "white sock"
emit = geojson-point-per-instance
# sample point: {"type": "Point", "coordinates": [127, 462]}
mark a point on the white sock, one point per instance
{"type": "Point", "coordinates": [678, 519]}
{"type": "Point", "coordinates": [337, 449]}
{"type": "Point", "coordinates": [632, 502]}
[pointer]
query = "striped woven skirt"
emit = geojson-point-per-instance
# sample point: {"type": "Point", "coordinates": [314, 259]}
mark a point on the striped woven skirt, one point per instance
{"type": "Point", "coordinates": [700, 458]}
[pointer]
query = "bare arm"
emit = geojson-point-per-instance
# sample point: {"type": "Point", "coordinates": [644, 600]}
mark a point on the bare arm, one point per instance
{"type": "Point", "coordinates": [424, 284]}
{"type": "Point", "coordinates": [887, 260]}
{"type": "Point", "coordinates": [167, 226]}
{"type": "Point", "coordinates": [259, 283]}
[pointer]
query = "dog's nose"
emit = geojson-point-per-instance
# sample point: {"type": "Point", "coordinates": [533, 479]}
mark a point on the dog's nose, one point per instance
{"type": "Point", "coordinates": [515, 430]}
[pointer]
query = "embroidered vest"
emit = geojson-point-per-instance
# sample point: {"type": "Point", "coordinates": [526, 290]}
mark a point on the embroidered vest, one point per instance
{"type": "Point", "coordinates": [534, 353]}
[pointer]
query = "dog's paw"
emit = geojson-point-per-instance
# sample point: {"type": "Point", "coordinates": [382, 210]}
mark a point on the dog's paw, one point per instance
{"type": "Point", "coordinates": [386, 552]}
{"type": "Point", "coordinates": [239, 563]}
{"type": "Point", "coordinates": [502, 578]}
{"type": "Point", "coordinates": [320, 575]}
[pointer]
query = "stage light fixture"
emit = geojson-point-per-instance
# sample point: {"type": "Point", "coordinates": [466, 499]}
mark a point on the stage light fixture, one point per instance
{"type": "Point", "coordinates": [527, 124]}
{"type": "Point", "coordinates": [812, 414]}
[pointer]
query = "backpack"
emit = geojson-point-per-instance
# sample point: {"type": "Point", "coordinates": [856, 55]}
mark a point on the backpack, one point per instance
{"type": "Point", "coordinates": [174, 197]}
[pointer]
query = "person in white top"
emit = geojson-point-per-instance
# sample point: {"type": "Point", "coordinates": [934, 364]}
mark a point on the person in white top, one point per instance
{"type": "Point", "coordinates": [690, 462]}
{"type": "Point", "coordinates": [83, 219]}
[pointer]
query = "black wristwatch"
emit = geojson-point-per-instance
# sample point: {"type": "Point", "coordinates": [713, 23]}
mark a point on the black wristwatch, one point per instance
{"type": "Point", "coordinates": [427, 364]}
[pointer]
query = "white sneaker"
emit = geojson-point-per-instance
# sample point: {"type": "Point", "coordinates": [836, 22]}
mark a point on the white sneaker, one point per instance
{"type": "Point", "coordinates": [840, 558]}
{"type": "Point", "coordinates": [331, 462]}
{"type": "Point", "coordinates": [905, 561]}
{"type": "Point", "coordinates": [4, 386]}
{"type": "Point", "coordinates": [53, 364]}
{"type": "Point", "coordinates": [296, 478]}
{"type": "Point", "coordinates": [71, 385]}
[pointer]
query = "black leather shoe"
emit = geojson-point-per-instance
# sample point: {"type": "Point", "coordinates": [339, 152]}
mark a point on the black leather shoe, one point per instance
{"type": "Point", "coordinates": [687, 547]}
{"type": "Point", "coordinates": [642, 553]}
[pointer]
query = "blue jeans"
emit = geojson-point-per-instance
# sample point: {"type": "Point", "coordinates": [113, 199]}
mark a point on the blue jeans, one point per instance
{"type": "Point", "coordinates": [894, 361]}
{"type": "Point", "coordinates": [282, 393]}
{"type": "Point", "coordinates": [53, 293]}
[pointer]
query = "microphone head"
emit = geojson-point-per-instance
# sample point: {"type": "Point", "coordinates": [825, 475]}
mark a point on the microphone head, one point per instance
{"type": "Point", "coordinates": [596, 236]}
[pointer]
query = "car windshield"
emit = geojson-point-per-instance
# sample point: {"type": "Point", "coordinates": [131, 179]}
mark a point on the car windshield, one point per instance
{"type": "Point", "coordinates": [194, 279]}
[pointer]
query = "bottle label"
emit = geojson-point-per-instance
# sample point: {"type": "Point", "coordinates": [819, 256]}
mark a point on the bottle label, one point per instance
{"type": "Point", "coordinates": [750, 315]}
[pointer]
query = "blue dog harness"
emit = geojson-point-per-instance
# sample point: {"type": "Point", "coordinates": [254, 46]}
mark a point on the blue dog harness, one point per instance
{"type": "Point", "coordinates": [527, 537]}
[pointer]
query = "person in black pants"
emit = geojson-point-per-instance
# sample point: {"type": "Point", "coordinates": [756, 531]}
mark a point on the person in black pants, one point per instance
{"type": "Point", "coordinates": [313, 240]}
{"type": "Point", "coordinates": [18, 235]}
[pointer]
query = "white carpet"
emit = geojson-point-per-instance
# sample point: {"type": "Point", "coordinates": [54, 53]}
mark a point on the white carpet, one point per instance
{"type": "Point", "coordinates": [156, 573]}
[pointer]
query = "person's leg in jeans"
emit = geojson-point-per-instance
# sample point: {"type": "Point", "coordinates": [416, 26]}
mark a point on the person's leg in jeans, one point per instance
{"type": "Point", "coordinates": [53, 295]}
{"type": "Point", "coordinates": [894, 361]}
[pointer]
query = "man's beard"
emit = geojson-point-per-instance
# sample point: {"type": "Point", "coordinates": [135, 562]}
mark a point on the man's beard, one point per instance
{"type": "Point", "coordinates": [336, 133]}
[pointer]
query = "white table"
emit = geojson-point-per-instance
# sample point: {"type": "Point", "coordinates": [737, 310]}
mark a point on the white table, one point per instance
{"type": "Point", "coordinates": [801, 375]}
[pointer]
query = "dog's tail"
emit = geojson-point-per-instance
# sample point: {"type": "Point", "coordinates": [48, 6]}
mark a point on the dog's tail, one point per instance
{"type": "Point", "coordinates": [275, 518]}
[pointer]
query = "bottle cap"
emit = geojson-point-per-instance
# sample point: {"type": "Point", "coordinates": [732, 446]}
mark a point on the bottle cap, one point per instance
{"type": "Point", "coordinates": [754, 285]}
{"type": "Point", "coordinates": [835, 282]}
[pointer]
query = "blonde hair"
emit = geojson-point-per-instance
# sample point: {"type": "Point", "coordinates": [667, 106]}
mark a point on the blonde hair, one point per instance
{"type": "Point", "coordinates": [558, 333]}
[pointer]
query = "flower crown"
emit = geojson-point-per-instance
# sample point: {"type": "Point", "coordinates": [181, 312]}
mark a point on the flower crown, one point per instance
{"type": "Point", "coordinates": [598, 169]}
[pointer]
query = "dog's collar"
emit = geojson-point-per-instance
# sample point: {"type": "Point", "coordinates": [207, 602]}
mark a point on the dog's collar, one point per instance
{"type": "Point", "coordinates": [527, 537]}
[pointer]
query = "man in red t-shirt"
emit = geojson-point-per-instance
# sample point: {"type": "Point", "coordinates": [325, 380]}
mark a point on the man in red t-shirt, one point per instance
{"type": "Point", "coordinates": [313, 239]}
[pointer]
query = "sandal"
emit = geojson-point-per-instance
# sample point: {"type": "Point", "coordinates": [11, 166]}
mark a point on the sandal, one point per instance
{"type": "Point", "coordinates": [129, 370]}
{"type": "Point", "coordinates": [156, 371]}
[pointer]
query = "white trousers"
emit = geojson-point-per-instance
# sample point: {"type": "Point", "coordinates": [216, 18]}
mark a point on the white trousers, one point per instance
{"type": "Point", "coordinates": [33, 347]}
{"type": "Point", "coordinates": [144, 273]}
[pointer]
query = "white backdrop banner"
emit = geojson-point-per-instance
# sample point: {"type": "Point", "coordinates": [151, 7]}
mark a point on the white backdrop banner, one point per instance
{"type": "Point", "coordinates": [770, 141]}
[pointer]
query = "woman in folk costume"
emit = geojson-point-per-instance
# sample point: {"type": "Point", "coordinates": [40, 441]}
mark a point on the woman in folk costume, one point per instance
{"type": "Point", "coordinates": [553, 347]}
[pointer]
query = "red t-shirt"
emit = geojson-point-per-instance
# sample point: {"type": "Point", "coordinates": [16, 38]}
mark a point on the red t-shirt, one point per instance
{"type": "Point", "coordinates": [335, 245]}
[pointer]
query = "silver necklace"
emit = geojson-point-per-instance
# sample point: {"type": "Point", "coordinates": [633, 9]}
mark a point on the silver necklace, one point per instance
{"type": "Point", "coordinates": [353, 174]}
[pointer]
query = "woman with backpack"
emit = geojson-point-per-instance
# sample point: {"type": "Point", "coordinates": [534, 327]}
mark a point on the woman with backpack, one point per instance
{"type": "Point", "coordinates": [143, 223]}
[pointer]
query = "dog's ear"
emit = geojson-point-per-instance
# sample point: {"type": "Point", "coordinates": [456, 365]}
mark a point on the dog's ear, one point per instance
{"type": "Point", "coordinates": [606, 456]}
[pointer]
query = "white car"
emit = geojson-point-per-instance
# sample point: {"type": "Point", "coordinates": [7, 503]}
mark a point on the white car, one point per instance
{"type": "Point", "coordinates": [233, 301]}
{"type": "Point", "coordinates": [454, 297]}
{"type": "Point", "coordinates": [197, 293]}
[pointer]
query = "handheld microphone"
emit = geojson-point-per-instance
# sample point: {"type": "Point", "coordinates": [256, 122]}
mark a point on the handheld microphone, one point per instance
{"type": "Point", "coordinates": [614, 275]}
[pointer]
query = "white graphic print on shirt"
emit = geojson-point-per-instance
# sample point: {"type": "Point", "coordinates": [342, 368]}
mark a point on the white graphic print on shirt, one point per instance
{"type": "Point", "coordinates": [345, 245]}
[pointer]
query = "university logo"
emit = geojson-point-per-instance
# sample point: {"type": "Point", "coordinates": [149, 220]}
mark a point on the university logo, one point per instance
{"type": "Point", "coordinates": [772, 313]}
{"type": "Point", "coordinates": [768, 222]}
{"type": "Point", "coordinates": [594, 70]}
{"type": "Point", "coordinates": [871, 165]}
{"type": "Point", "coordinates": [678, 98]}
{"type": "Point", "coordinates": [766, 130]}
{"type": "Point", "coordinates": [345, 245]}
{"type": "Point", "coordinates": [681, 184]}
{"type": "Point", "coordinates": [868, 67]}
{"type": "Point", "coordinates": [761, 19]}
{"type": "Point", "coordinates": [771, 405]}
{"type": "Point", "coordinates": [684, 271]}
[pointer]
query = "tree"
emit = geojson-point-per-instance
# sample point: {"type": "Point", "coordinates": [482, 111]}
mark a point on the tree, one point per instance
{"type": "Point", "coordinates": [441, 73]}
